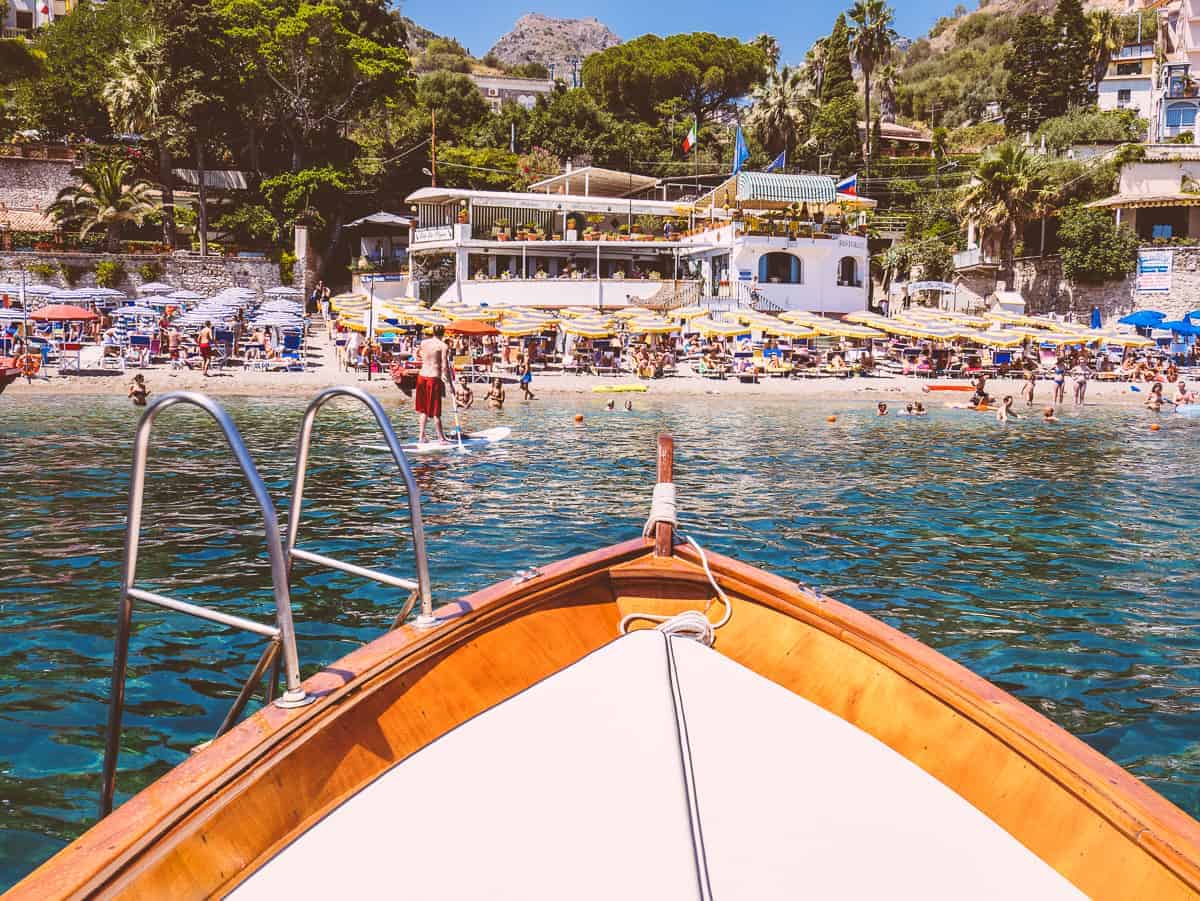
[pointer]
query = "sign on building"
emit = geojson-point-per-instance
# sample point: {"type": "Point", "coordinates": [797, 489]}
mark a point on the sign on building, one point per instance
{"type": "Point", "coordinates": [1154, 271]}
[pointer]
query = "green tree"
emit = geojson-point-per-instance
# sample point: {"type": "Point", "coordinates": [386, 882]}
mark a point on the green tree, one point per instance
{"type": "Point", "coordinates": [703, 71]}
{"type": "Point", "coordinates": [1030, 94]}
{"type": "Point", "coordinates": [456, 102]}
{"type": "Point", "coordinates": [64, 98]}
{"type": "Point", "coordinates": [1106, 35]}
{"type": "Point", "coordinates": [834, 132]}
{"type": "Point", "coordinates": [482, 168]}
{"type": "Point", "coordinates": [780, 112]}
{"type": "Point", "coordinates": [18, 60]}
{"type": "Point", "coordinates": [1094, 247]}
{"type": "Point", "coordinates": [529, 70]}
{"type": "Point", "coordinates": [134, 96]}
{"type": "Point", "coordinates": [871, 41]}
{"type": "Point", "coordinates": [106, 198]}
{"type": "Point", "coordinates": [323, 66]}
{"type": "Point", "coordinates": [1091, 126]}
{"type": "Point", "coordinates": [1073, 59]}
{"type": "Point", "coordinates": [837, 78]}
{"type": "Point", "coordinates": [444, 54]}
{"type": "Point", "coordinates": [1008, 189]}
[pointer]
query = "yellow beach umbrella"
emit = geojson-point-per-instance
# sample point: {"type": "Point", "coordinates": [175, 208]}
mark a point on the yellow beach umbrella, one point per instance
{"type": "Point", "coordinates": [996, 338]}
{"type": "Point", "coordinates": [1126, 340]}
{"type": "Point", "coordinates": [651, 325]}
{"type": "Point", "coordinates": [686, 313]}
{"type": "Point", "coordinates": [863, 317]}
{"type": "Point", "coordinates": [790, 330]}
{"type": "Point", "coordinates": [847, 330]}
{"type": "Point", "coordinates": [632, 312]}
{"type": "Point", "coordinates": [706, 325]}
{"type": "Point", "coordinates": [517, 327]}
{"type": "Point", "coordinates": [586, 327]}
{"type": "Point", "coordinates": [801, 316]}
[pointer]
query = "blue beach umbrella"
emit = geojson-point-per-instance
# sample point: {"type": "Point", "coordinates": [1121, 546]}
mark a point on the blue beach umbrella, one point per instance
{"type": "Point", "coordinates": [1143, 318]}
{"type": "Point", "coordinates": [1179, 327]}
{"type": "Point", "coordinates": [1095, 317]}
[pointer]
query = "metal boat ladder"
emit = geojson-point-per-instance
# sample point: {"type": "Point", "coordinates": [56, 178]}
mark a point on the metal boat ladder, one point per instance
{"type": "Point", "coordinates": [281, 637]}
{"type": "Point", "coordinates": [420, 588]}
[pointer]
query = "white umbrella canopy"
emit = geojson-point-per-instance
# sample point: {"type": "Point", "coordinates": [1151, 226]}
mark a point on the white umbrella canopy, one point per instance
{"type": "Point", "coordinates": [105, 292]}
{"type": "Point", "coordinates": [155, 288]}
{"type": "Point", "coordinates": [185, 295]}
{"type": "Point", "coordinates": [283, 291]}
{"type": "Point", "coordinates": [41, 290]}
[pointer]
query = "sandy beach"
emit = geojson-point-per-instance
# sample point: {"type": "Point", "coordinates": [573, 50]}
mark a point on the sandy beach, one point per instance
{"type": "Point", "coordinates": [323, 372]}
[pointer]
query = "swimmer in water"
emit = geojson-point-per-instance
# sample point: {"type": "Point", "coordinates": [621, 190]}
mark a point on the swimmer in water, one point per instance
{"type": "Point", "coordinates": [919, 409]}
{"type": "Point", "coordinates": [629, 405]}
{"type": "Point", "coordinates": [611, 405]}
{"type": "Point", "coordinates": [495, 395]}
{"type": "Point", "coordinates": [1048, 415]}
{"type": "Point", "coordinates": [881, 409]}
{"type": "Point", "coordinates": [1005, 413]}
{"type": "Point", "coordinates": [138, 392]}
{"type": "Point", "coordinates": [908, 410]}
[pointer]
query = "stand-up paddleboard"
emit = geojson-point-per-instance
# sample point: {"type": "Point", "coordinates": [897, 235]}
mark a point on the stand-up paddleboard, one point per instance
{"type": "Point", "coordinates": [470, 441]}
{"type": "Point", "coordinates": [619, 389]}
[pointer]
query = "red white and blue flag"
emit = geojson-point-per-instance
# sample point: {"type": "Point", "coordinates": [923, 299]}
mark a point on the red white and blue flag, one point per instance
{"type": "Point", "coordinates": [849, 185]}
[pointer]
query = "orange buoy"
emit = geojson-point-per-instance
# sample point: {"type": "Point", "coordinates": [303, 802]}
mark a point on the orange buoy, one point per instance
{"type": "Point", "coordinates": [1154, 427]}
{"type": "Point", "coordinates": [579, 417]}
{"type": "Point", "coordinates": [831, 419]}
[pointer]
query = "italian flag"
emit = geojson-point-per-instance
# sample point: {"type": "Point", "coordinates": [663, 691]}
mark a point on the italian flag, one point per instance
{"type": "Point", "coordinates": [690, 140]}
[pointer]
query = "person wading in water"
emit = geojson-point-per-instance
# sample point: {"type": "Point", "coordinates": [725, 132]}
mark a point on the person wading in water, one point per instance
{"type": "Point", "coordinates": [432, 380]}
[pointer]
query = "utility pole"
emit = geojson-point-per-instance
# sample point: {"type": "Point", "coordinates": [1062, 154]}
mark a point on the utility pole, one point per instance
{"type": "Point", "coordinates": [433, 148]}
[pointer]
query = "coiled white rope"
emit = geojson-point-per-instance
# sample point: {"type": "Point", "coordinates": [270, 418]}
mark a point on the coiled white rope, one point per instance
{"type": "Point", "coordinates": [693, 624]}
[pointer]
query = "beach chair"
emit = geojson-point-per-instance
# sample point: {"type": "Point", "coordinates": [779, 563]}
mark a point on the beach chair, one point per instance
{"type": "Point", "coordinates": [138, 350]}
{"type": "Point", "coordinates": [291, 354]}
{"type": "Point", "coordinates": [70, 356]}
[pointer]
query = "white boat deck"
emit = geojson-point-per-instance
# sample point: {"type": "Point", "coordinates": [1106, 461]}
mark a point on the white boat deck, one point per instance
{"type": "Point", "coordinates": [656, 768]}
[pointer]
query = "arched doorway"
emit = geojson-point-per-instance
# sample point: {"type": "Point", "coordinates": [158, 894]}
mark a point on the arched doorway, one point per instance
{"type": "Point", "coordinates": [780, 268]}
{"type": "Point", "coordinates": [848, 275]}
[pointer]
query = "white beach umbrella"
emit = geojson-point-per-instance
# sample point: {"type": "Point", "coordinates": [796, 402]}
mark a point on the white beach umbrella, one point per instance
{"type": "Point", "coordinates": [155, 288]}
{"type": "Point", "coordinates": [185, 295]}
{"type": "Point", "coordinates": [41, 290]}
{"type": "Point", "coordinates": [283, 291]}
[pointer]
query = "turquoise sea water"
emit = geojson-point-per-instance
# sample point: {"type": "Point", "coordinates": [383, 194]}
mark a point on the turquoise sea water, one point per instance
{"type": "Point", "coordinates": [1058, 562]}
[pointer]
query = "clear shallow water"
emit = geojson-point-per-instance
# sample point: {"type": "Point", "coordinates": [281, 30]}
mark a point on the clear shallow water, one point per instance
{"type": "Point", "coordinates": [1058, 562]}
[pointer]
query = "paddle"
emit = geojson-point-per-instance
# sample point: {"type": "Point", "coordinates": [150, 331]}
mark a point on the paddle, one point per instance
{"type": "Point", "coordinates": [457, 424]}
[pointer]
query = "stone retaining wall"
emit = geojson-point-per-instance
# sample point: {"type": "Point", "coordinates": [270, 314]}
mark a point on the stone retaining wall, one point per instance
{"type": "Point", "coordinates": [1040, 282]}
{"type": "Point", "coordinates": [205, 275]}
{"type": "Point", "coordinates": [32, 184]}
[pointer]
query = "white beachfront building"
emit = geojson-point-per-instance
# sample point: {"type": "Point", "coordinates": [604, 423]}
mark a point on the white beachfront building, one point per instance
{"type": "Point", "coordinates": [597, 237]}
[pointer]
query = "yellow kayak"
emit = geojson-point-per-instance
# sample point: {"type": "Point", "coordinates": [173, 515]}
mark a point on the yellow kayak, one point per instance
{"type": "Point", "coordinates": [619, 389]}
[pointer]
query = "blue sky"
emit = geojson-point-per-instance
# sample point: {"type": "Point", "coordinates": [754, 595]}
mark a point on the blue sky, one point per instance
{"type": "Point", "coordinates": [796, 25]}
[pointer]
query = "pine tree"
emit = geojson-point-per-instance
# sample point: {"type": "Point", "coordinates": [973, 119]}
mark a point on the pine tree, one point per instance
{"type": "Point", "coordinates": [1032, 91]}
{"type": "Point", "coordinates": [838, 79]}
{"type": "Point", "coordinates": [1073, 57]}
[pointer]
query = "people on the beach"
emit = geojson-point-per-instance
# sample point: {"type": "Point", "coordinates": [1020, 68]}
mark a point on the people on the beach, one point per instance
{"type": "Point", "coordinates": [1005, 413]}
{"type": "Point", "coordinates": [980, 398]}
{"type": "Point", "coordinates": [1027, 388]}
{"type": "Point", "coordinates": [1080, 373]}
{"type": "Point", "coordinates": [1060, 382]}
{"type": "Point", "coordinates": [495, 395]}
{"type": "Point", "coordinates": [527, 379]}
{"type": "Point", "coordinates": [204, 342]}
{"type": "Point", "coordinates": [138, 391]}
{"type": "Point", "coordinates": [435, 374]}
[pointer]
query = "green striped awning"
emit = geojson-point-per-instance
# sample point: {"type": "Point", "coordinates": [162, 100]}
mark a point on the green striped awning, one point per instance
{"type": "Point", "coordinates": [777, 188]}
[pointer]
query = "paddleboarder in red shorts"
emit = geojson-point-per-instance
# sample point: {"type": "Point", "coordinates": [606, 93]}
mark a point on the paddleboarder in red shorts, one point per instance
{"type": "Point", "coordinates": [431, 382]}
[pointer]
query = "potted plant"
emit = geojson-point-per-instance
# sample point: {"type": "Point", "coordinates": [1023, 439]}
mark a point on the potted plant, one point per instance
{"type": "Point", "coordinates": [500, 229]}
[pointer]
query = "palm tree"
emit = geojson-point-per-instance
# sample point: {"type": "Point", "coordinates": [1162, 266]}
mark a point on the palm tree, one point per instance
{"type": "Point", "coordinates": [1008, 189]}
{"type": "Point", "coordinates": [104, 198]}
{"type": "Point", "coordinates": [780, 110]}
{"type": "Point", "coordinates": [134, 95]}
{"type": "Point", "coordinates": [1106, 37]}
{"type": "Point", "coordinates": [814, 66]}
{"type": "Point", "coordinates": [871, 40]}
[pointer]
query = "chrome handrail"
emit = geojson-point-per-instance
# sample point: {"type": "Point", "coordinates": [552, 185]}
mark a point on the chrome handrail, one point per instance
{"type": "Point", "coordinates": [425, 619]}
{"type": "Point", "coordinates": [282, 636]}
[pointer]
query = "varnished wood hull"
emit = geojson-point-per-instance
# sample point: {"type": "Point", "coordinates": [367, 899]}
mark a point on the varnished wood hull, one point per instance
{"type": "Point", "coordinates": [213, 820]}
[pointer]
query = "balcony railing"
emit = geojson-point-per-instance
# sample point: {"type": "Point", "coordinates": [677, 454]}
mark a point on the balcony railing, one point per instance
{"type": "Point", "coordinates": [7, 32]}
{"type": "Point", "coordinates": [975, 258]}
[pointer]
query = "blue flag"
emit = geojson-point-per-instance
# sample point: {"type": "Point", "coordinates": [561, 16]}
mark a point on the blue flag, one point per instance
{"type": "Point", "coordinates": [740, 152]}
{"type": "Point", "coordinates": [779, 163]}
